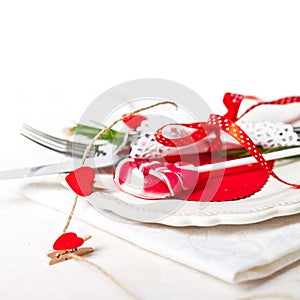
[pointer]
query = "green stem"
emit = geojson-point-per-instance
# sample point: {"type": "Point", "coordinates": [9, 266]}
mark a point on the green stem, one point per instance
{"type": "Point", "coordinates": [115, 137]}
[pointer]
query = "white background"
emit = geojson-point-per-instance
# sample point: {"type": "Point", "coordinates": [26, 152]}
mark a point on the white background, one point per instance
{"type": "Point", "coordinates": [58, 54]}
{"type": "Point", "coordinates": [71, 51]}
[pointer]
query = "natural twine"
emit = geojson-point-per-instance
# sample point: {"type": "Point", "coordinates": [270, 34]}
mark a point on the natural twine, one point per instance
{"type": "Point", "coordinates": [86, 152]}
{"type": "Point", "coordinates": [106, 274]}
{"type": "Point", "coordinates": [96, 137]}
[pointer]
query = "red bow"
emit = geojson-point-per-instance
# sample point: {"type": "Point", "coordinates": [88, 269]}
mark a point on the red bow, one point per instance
{"type": "Point", "coordinates": [227, 124]}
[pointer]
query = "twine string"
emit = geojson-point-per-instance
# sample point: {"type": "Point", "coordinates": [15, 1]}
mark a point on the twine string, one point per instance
{"type": "Point", "coordinates": [103, 131]}
{"type": "Point", "coordinates": [105, 273]}
{"type": "Point", "coordinates": [97, 136]}
{"type": "Point", "coordinates": [70, 216]}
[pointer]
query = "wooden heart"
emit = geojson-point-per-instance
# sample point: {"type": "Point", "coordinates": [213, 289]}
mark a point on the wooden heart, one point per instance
{"type": "Point", "coordinates": [133, 121]}
{"type": "Point", "coordinates": [68, 240]}
{"type": "Point", "coordinates": [81, 181]}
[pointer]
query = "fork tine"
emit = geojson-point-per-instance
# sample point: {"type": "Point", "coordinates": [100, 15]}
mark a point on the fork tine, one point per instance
{"type": "Point", "coordinates": [48, 137]}
{"type": "Point", "coordinates": [44, 144]}
{"type": "Point", "coordinates": [42, 140]}
{"type": "Point", "coordinates": [62, 150]}
{"type": "Point", "coordinates": [43, 134]}
{"type": "Point", "coordinates": [55, 144]}
{"type": "Point", "coordinates": [66, 143]}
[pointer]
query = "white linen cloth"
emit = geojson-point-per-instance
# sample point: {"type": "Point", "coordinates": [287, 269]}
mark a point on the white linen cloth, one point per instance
{"type": "Point", "coordinates": [234, 253]}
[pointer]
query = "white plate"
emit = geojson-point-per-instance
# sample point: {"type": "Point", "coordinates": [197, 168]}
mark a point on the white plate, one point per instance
{"type": "Point", "coordinates": [274, 200]}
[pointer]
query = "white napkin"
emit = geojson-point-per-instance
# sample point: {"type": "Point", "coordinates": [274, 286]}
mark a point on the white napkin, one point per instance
{"type": "Point", "coordinates": [232, 253]}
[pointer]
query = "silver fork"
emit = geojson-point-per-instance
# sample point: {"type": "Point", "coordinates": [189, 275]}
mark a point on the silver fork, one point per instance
{"type": "Point", "coordinates": [75, 149]}
{"type": "Point", "coordinates": [59, 145]}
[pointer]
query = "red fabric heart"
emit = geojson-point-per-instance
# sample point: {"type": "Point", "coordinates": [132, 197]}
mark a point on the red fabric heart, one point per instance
{"type": "Point", "coordinates": [134, 121]}
{"type": "Point", "coordinates": [81, 181]}
{"type": "Point", "coordinates": [68, 240]}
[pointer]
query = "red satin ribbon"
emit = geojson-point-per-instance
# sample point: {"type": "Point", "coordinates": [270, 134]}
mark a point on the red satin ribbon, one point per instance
{"type": "Point", "coordinates": [227, 124]}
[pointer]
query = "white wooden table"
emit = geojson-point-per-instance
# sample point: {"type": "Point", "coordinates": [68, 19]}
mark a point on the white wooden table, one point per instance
{"type": "Point", "coordinates": [27, 230]}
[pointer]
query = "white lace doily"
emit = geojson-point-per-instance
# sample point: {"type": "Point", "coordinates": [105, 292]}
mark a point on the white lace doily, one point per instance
{"type": "Point", "coordinates": [270, 135]}
{"type": "Point", "coordinates": [147, 147]}
{"type": "Point", "coordinates": [266, 134]}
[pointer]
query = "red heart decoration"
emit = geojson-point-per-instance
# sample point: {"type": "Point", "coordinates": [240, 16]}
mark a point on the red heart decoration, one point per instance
{"type": "Point", "coordinates": [81, 181]}
{"type": "Point", "coordinates": [68, 240]}
{"type": "Point", "coordinates": [133, 121]}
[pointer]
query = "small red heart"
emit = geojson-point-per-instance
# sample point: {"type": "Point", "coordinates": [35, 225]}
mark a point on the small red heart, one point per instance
{"type": "Point", "coordinates": [81, 181]}
{"type": "Point", "coordinates": [133, 121]}
{"type": "Point", "coordinates": [68, 240]}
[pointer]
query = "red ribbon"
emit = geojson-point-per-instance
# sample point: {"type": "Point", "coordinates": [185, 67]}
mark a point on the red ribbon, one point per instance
{"type": "Point", "coordinates": [227, 124]}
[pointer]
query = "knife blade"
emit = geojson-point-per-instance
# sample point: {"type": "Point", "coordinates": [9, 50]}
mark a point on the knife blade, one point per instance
{"type": "Point", "coordinates": [110, 160]}
{"type": "Point", "coordinates": [56, 168]}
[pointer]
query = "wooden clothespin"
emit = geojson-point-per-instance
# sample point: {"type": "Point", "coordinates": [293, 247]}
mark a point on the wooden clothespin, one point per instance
{"type": "Point", "coordinates": [67, 245]}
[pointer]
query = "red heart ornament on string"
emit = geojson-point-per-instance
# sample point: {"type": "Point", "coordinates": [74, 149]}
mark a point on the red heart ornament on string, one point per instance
{"type": "Point", "coordinates": [81, 181]}
{"type": "Point", "coordinates": [133, 121]}
{"type": "Point", "coordinates": [68, 240]}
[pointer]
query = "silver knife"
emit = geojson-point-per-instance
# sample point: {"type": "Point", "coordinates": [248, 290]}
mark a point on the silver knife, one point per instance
{"type": "Point", "coordinates": [110, 160]}
{"type": "Point", "coordinates": [64, 167]}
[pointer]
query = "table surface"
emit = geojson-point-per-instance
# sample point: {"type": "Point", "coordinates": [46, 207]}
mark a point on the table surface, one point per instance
{"type": "Point", "coordinates": [56, 57]}
{"type": "Point", "coordinates": [28, 230]}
